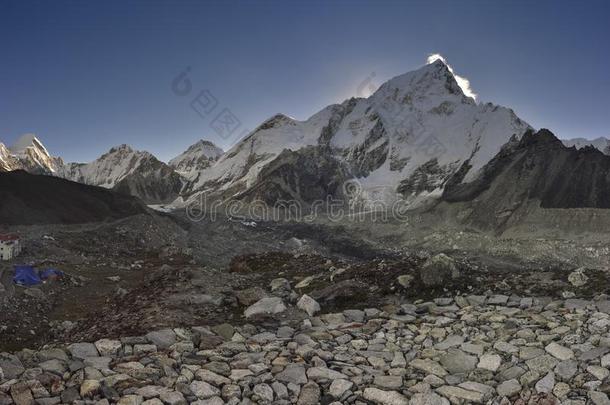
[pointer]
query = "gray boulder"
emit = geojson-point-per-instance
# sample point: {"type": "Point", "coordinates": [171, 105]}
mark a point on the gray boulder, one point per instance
{"type": "Point", "coordinates": [163, 339]}
{"type": "Point", "coordinates": [11, 366]}
{"type": "Point", "coordinates": [265, 306]}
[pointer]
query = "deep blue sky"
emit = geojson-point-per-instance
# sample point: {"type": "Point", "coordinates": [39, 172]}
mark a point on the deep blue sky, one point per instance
{"type": "Point", "coordinates": [87, 75]}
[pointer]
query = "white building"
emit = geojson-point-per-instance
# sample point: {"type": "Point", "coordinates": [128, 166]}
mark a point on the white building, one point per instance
{"type": "Point", "coordinates": [10, 246]}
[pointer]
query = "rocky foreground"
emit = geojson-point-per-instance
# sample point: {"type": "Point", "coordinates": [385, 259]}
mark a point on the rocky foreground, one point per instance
{"type": "Point", "coordinates": [468, 349]}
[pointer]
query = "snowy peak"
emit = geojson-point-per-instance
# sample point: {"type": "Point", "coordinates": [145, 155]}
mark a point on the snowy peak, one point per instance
{"type": "Point", "coordinates": [28, 141]}
{"type": "Point", "coordinates": [206, 148]}
{"type": "Point", "coordinates": [128, 171]}
{"type": "Point", "coordinates": [109, 169]}
{"type": "Point", "coordinates": [276, 121]}
{"type": "Point", "coordinates": [28, 153]}
{"type": "Point", "coordinates": [423, 88]}
{"type": "Point", "coordinates": [198, 157]}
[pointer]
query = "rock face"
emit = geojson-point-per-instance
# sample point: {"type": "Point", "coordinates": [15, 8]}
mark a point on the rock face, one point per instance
{"type": "Point", "coordinates": [307, 175]}
{"type": "Point", "coordinates": [545, 353]}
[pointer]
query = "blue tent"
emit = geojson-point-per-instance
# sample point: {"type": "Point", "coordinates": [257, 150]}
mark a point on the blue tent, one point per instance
{"type": "Point", "coordinates": [26, 276]}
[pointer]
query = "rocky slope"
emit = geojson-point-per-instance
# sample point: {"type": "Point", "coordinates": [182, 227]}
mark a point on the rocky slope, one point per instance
{"type": "Point", "coordinates": [540, 169]}
{"type": "Point", "coordinates": [36, 199]}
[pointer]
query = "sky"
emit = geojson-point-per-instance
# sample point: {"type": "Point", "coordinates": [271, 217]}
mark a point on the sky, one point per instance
{"type": "Point", "coordinates": [88, 75]}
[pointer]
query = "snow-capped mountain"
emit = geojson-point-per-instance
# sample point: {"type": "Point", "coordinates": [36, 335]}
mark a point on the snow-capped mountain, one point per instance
{"type": "Point", "coordinates": [131, 171]}
{"type": "Point", "coordinates": [29, 154]}
{"type": "Point", "coordinates": [410, 137]}
{"type": "Point", "coordinates": [601, 143]}
{"type": "Point", "coordinates": [109, 169]}
{"type": "Point", "coordinates": [196, 159]}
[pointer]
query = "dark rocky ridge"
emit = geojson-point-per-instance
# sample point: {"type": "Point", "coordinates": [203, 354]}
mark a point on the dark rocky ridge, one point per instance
{"type": "Point", "coordinates": [27, 199]}
{"type": "Point", "coordinates": [536, 168]}
{"type": "Point", "coordinates": [307, 175]}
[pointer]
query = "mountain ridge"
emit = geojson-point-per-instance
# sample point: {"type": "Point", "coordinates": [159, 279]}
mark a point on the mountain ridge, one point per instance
{"type": "Point", "coordinates": [417, 134]}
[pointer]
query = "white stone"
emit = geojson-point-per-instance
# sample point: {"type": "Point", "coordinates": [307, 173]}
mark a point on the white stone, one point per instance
{"type": "Point", "coordinates": [308, 304]}
{"type": "Point", "coordinates": [108, 347]}
{"type": "Point", "coordinates": [490, 362]}
{"type": "Point", "coordinates": [559, 352]}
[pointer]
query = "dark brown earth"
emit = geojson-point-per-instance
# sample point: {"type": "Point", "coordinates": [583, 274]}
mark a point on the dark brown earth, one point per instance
{"type": "Point", "coordinates": [177, 273]}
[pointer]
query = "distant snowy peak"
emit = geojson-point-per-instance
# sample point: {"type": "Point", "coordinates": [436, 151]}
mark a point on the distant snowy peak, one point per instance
{"type": "Point", "coordinates": [28, 141]}
{"type": "Point", "coordinates": [196, 158]}
{"type": "Point", "coordinates": [129, 171]}
{"type": "Point", "coordinates": [28, 153]}
{"type": "Point", "coordinates": [601, 143]}
{"type": "Point", "coordinates": [109, 169]}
